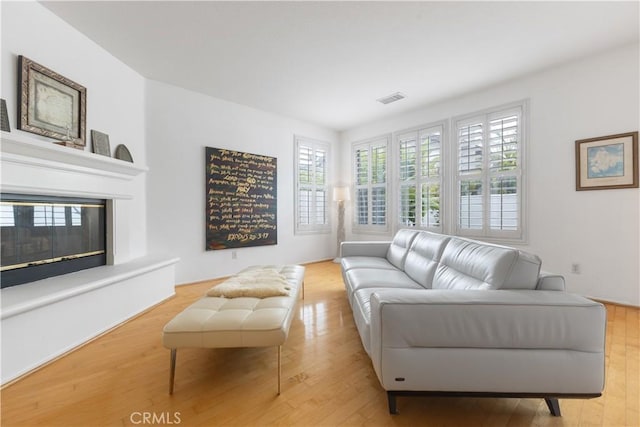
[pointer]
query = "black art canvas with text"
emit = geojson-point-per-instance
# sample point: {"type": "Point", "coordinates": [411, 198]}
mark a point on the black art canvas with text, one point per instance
{"type": "Point", "coordinates": [241, 199]}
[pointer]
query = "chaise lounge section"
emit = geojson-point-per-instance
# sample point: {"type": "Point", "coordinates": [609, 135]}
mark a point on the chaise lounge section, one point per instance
{"type": "Point", "coordinates": [444, 315]}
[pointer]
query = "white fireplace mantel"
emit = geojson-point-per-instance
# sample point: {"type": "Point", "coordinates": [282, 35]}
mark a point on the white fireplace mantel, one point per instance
{"type": "Point", "coordinates": [22, 149]}
{"type": "Point", "coordinates": [68, 171]}
{"type": "Point", "coordinates": [45, 319]}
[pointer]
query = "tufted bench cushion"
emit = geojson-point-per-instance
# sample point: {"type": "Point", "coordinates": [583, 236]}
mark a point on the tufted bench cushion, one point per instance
{"type": "Point", "coordinates": [216, 322]}
{"type": "Point", "coordinates": [213, 322]}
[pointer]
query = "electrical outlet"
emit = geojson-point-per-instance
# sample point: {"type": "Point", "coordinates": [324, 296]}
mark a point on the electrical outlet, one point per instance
{"type": "Point", "coordinates": [575, 268]}
{"type": "Point", "coordinates": [234, 254]}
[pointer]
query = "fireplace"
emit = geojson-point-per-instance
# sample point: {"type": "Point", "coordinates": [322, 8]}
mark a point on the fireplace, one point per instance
{"type": "Point", "coordinates": [44, 236]}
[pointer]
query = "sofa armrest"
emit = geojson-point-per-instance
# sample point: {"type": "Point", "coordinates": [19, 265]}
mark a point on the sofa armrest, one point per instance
{"type": "Point", "coordinates": [518, 319]}
{"type": "Point", "coordinates": [487, 340]}
{"type": "Point", "coordinates": [550, 282]}
{"type": "Point", "coordinates": [364, 248]}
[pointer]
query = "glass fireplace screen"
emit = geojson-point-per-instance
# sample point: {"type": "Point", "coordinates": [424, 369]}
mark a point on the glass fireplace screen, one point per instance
{"type": "Point", "coordinates": [38, 231]}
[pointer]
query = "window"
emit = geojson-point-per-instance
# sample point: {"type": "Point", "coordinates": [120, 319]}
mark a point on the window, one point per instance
{"type": "Point", "coordinates": [420, 178]}
{"type": "Point", "coordinates": [370, 182]}
{"type": "Point", "coordinates": [312, 189]}
{"type": "Point", "coordinates": [489, 178]}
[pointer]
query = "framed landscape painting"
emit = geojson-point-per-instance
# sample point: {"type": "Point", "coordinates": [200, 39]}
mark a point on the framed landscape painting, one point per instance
{"type": "Point", "coordinates": [607, 162]}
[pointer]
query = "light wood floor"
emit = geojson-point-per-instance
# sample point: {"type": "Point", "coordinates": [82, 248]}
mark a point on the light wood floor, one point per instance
{"type": "Point", "coordinates": [122, 377]}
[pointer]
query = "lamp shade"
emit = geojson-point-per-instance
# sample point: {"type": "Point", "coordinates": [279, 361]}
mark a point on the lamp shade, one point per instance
{"type": "Point", "coordinates": [340, 193]}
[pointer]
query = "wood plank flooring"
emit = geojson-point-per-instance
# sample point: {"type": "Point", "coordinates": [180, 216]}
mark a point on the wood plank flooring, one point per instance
{"type": "Point", "coordinates": [121, 378]}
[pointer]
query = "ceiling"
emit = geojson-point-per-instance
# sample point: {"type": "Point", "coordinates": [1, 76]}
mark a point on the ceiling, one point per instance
{"type": "Point", "coordinates": [328, 62]}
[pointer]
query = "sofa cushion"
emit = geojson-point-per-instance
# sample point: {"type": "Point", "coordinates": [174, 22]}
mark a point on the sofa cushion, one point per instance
{"type": "Point", "coordinates": [360, 278]}
{"type": "Point", "coordinates": [423, 257]}
{"type": "Point", "coordinates": [525, 271]}
{"type": "Point", "coordinates": [366, 262]}
{"type": "Point", "coordinates": [467, 264]}
{"type": "Point", "coordinates": [397, 252]}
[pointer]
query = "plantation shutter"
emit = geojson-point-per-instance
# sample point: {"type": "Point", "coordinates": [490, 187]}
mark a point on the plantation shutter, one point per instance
{"type": "Point", "coordinates": [489, 176]}
{"type": "Point", "coordinates": [420, 157]}
{"type": "Point", "coordinates": [370, 178]}
{"type": "Point", "coordinates": [312, 204]}
{"type": "Point", "coordinates": [305, 199]}
{"type": "Point", "coordinates": [362, 186]}
{"type": "Point", "coordinates": [430, 177]}
{"type": "Point", "coordinates": [504, 172]}
{"type": "Point", "coordinates": [321, 188]}
{"type": "Point", "coordinates": [470, 168]}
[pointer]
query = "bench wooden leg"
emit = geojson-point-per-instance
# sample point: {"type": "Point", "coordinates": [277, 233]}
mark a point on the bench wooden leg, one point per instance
{"type": "Point", "coordinates": [279, 367]}
{"type": "Point", "coordinates": [172, 371]}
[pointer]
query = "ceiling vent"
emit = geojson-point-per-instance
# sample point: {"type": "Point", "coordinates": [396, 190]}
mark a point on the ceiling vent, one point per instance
{"type": "Point", "coordinates": [391, 98]}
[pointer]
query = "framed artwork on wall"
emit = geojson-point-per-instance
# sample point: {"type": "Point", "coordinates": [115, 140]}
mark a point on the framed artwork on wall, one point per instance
{"type": "Point", "coordinates": [241, 199]}
{"type": "Point", "coordinates": [51, 105]}
{"type": "Point", "coordinates": [4, 117]}
{"type": "Point", "coordinates": [607, 162]}
{"type": "Point", "coordinates": [100, 143]}
{"type": "Point", "coordinates": [122, 153]}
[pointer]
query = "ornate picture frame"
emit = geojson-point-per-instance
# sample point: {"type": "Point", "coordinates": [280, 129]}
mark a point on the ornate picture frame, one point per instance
{"type": "Point", "coordinates": [607, 162]}
{"type": "Point", "coordinates": [51, 105]}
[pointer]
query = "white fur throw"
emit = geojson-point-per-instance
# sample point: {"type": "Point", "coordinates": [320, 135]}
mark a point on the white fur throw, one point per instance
{"type": "Point", "coordinates": [255, 283]}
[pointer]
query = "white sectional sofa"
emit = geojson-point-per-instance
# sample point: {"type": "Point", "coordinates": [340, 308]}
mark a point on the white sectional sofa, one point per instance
{"type": "Point", "coordinates": [443, 315]}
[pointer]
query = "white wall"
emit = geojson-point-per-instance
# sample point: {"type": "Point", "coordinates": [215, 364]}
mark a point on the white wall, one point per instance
{"type": "Point", "coordinates": [180, 124]}
{"type": "Point", "coordinates": [80, 305]}
{"type": "Point", "coordinates": [600, 230]}
{"type": "Point", "coordinates": [593, 97]}
{"type": "Point", "coordinates": [115, 98]}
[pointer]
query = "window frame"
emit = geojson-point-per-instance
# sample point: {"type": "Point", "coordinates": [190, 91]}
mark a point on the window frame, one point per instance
{"type": "Point", "coordinates": [369, 144]}
{"type": "Point", "coordinates": [312, 227]}
{"type": "Point", "coordinates": [520, 108]}
{"type": "Point", "coordinates": [419, 180]}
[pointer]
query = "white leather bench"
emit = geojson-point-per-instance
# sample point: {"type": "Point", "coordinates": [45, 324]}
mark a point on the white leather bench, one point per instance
{"type": "Point", "coordinates": [216, 322]}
